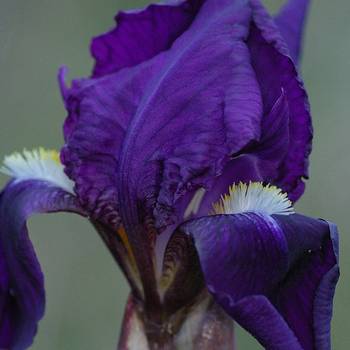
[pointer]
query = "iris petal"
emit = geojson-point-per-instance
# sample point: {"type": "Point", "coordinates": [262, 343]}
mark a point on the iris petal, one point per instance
{"type": "Point", "coordinates": [305, 297]}
{"type": "Point", "coordinates": [259, 161]}
{"type": "Point", "coordinates": [275, 70]}
{"type": "Point", "coordinates": [284, 266]}
{"type": "Point", "coordinates": [183, 89]}
{"type": "Point", "coordinates": [99, 111]}
{"type": "Point", "coordinates": [22, 296]}
{"type": "Point", "coordinates": [200, 95]}
{"type": "Point", "coordinates": [257, 315]}
{"type": "Point", "coordinates": [290, 21]}
{"type": "Point", "coordinates": [226, 91]}
{"type": "Point", "coordinates": [141, 34]}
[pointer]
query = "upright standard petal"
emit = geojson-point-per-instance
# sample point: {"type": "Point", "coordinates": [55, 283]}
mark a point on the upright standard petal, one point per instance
{"type": "Point", "coordinates": [200, 94]}
{"type": "Point", "coordinates": [198, 91]}
{"type": "Point", "coordinates": [290, 21]}
{"type": "Point", "coordinates": [259, 160]}
{"type": "Point", "coordinates": [142, 34]}
{"type": "Point", "coordinates": [275, 275]}
{"type": "Point", "coordinates": [275, 71]}
{"type": "Point", "coordinates": [22, 296]}
{"type": "Point", "coordinates": [99, 112]}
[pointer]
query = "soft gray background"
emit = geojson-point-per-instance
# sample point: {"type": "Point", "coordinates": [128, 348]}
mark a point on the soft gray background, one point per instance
{"type": "Point", "coordinates": [85, 290]}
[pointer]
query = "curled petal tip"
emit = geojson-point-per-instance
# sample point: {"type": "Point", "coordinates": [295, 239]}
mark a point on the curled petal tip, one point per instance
{"type": "Point", "coordinates": [63, 71]}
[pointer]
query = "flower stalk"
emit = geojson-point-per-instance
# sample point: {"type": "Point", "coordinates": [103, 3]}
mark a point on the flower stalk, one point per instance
{"type": "Point", "coordinates": [202, 325]}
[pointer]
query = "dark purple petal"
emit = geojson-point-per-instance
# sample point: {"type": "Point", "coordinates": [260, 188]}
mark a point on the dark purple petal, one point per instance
{"type": "Point", "coordinates": [99, 111]}
{"type": "Point", "coordinates": [215, 111]}
{"type": "Point", "coordinates": [259, 161]}
{"type": "Point", "coordinates": [257, 315]}
{"type": "Point", "coordinates": [250, 253]}
{"type": "Point", "coordinates": [291, 21]}
{"type": "Point", "coordinates": [202, 105]}
{"type": "Point", "coordinates": [22, 296]}
{"type": "Point", "coordinates": [275, 71]}
{"type": "Point", "coordinates": [223, 94]}
{"type": "Point", "coordinates": [198, 90]}
{"type": "Point", "coordinates": [305, 297]}
{"type": "Point", "coordinates": [284, 266]}
{"type": "Point", "coordinates": [142, 34]}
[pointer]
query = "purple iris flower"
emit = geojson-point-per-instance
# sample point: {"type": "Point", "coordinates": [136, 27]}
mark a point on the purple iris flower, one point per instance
{"type": "Point", "coordinates": [186, 149]}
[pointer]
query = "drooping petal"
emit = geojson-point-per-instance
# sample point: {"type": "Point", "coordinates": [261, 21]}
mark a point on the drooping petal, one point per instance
{"type": "Point", "coordinates": [275, 71]}
{"type": "Point", "coordinates": [290, 21]}
{"type": "Point", "coordinates": [22, 296]}
{"type": "Point", "coordinates": [142, 34]}
{"type": "Point", "coordinates": [282, 268]}
{"type": "Point", "coordinates": [305, 298]}
{"type": "Point", "coordinates": [257, 315]}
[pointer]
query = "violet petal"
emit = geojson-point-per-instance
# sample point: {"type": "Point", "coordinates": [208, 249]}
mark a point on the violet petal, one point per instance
{"type": "Point", "coordinates": [276, 70]}
{"type": "Point", "coordinates": [22, 295]}
{"type": "Point", "coordinates": [259, 161]}
{"type": "Point", "coordinates": [99, 111]}
{"type": "Point", "coordinates": [286, 265]}
{"type": "Point", "coordinates": [200, 95]}
{"type": "Point", "coordinates": [141, 34]}
{"type": "Point", "coordinates": [290, 21]}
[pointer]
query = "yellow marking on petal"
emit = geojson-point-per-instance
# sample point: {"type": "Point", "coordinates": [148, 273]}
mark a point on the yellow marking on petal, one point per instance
{"type": "Point", "coordinates": [123, 236]}
{"type": "Point", "coordinates": [131, 262]}
{"type": "Point", "coordinates": [254, 197]}
{"type": "Point", "coordinates": [49, 154]}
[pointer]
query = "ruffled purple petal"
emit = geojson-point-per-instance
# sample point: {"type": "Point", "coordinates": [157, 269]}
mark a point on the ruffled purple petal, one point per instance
{"type": "Point", "coordinates": [275, 71]}
{"type": "Point", "coordinates": [225, 91]}
{"type": "Point", "coordinates": [280, 156]}
{"type": "Point", "coordinates": [272, 274]}
{"type": "Point", "coordinates": [215, 112]}
{"type": "Point", "coordinates": [259, 161]}
{"type": "Point", "coordinates": [119, 134]}
{"type": "Point", "coordinates": [141, 34]}
{"type": "Point", "coordinates": [99, 111]}
{"type": "Point", "coordinates": [22, 296]}
{"type": "Point", "coordinates": [201, 106]}
{"type": "Point", "coordinates": [291, 21]}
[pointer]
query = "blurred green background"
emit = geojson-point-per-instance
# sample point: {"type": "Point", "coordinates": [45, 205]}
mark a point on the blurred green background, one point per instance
{"type": "Point", "coordinates": [85, 290]}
